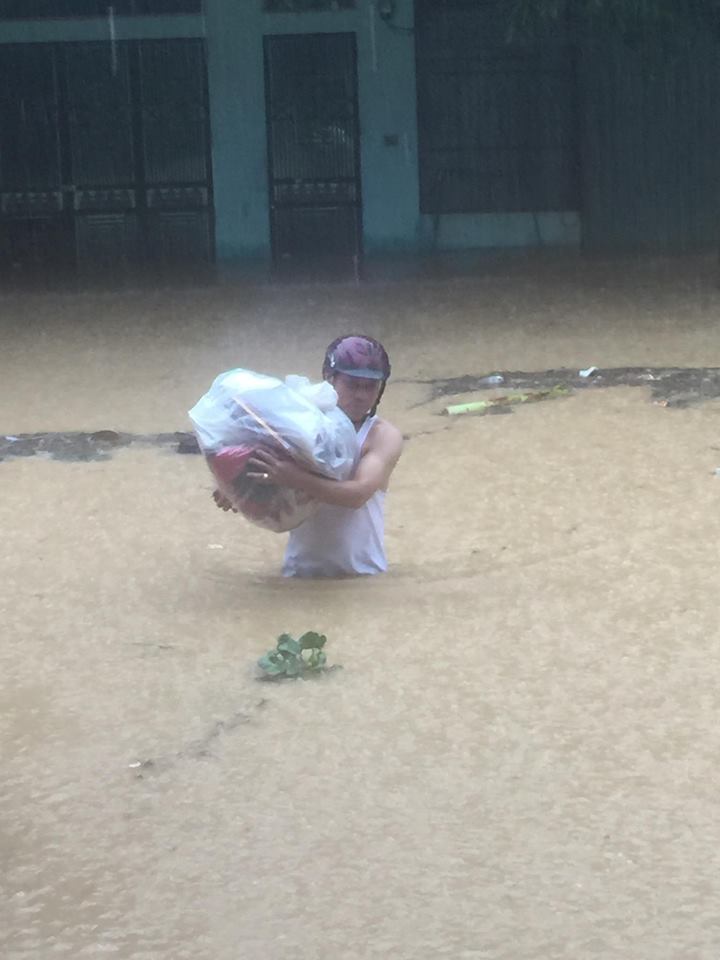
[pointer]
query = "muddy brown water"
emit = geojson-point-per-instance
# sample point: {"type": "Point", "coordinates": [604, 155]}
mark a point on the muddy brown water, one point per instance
{"type": "Point", "coordinates": [518, 760]}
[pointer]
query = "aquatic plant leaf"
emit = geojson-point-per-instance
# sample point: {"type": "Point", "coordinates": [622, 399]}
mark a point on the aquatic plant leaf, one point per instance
{"type": "Point", "coordinates": [294, 658]}
{"type": "Point", "coordinates": [293, 667]}
{"type": "Point", "coordinates": [312, 640]}
{"type": "Point", "coordinates": [287, 645]}
{"type": "Point", "coordinates": [270, 665]}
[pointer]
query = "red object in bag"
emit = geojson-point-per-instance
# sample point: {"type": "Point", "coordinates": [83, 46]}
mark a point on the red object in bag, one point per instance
{"type": "Point", "coordinates": [265, 504]}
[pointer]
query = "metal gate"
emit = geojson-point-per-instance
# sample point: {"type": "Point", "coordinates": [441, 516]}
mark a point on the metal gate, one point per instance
{"type": "Point", "coordinates": [313, 149]}
{"type": "Point", "coordinates": [497, 118]}
{"type": "Point", "coordinates": [34, 221]}
{"type": "Point", "coordinates": [104, 159]}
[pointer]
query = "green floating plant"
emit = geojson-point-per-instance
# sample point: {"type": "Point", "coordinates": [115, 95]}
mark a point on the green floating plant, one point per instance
{"type": "Point", "coordinates": [295, 658]}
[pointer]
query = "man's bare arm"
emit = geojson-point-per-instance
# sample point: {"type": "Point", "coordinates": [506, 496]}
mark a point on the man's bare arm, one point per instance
{"type": "Point", "coordinates": [382, 451]}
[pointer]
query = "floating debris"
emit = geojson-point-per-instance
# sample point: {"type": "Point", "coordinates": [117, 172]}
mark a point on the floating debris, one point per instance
{"type": "Point", "coordinates": [81, 447]}
{"type": "Point", "coordinates": [295, 659]}
{"type": "Point", "coordinates": [674, 387]}
{"type": "Point", "coordinates": [678, 386]}
{"type": "Point", "coordinates": [494, 404]}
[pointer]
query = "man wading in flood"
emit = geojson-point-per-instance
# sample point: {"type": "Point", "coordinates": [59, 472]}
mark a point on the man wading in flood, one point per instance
{"type": "Point", "coordinates": [346, 535]}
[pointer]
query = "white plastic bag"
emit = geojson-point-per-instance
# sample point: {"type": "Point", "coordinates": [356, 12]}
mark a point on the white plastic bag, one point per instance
{"type": "Point", "coordinates": [241, 405]}
{"type": "Point", "coordinates": [301, 419]}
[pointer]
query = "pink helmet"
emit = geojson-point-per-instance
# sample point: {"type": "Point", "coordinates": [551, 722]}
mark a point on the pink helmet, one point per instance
{"type": "Point", "coordinates": [357, 356]}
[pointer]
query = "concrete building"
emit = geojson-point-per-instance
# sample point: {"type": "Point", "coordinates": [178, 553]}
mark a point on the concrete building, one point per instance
{"type": "Point", "coordinates": [182, 133]}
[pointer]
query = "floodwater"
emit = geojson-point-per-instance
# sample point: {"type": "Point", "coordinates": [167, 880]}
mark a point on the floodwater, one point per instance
{"type": "Point", "coordinates": [518, 760]}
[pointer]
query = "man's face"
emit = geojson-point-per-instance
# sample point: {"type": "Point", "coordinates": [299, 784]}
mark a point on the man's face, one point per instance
{"type": "Point", "coordinates": [356, 395]}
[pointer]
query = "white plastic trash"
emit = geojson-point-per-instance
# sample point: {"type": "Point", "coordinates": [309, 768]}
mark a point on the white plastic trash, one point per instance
{"type": "Point", "coordinates": [242, 407]}
{"type": "Point", "coordinates": [243, 411]}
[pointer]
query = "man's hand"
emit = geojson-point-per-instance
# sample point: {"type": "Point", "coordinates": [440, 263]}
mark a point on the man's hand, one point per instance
{"type": "Point", "coordinates": [222, 501]}
{"type": "Point", "coordinates": [266, 467]}
{"type": "Point", "coordinates": [380, 453]}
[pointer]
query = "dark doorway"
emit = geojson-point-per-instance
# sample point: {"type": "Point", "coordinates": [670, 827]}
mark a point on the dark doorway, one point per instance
{"type": "Point", "coordinates": [104, 161]}
{"type": "Point", "coordinates": [313, 152]}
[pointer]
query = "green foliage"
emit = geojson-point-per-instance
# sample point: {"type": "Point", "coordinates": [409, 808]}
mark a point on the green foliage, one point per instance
{"type": "Point", "coordinates": [294, 658]}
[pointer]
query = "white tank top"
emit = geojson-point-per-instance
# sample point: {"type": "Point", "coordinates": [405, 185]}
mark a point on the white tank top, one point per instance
{"type": "Point", "coordinates": [339, 541]}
